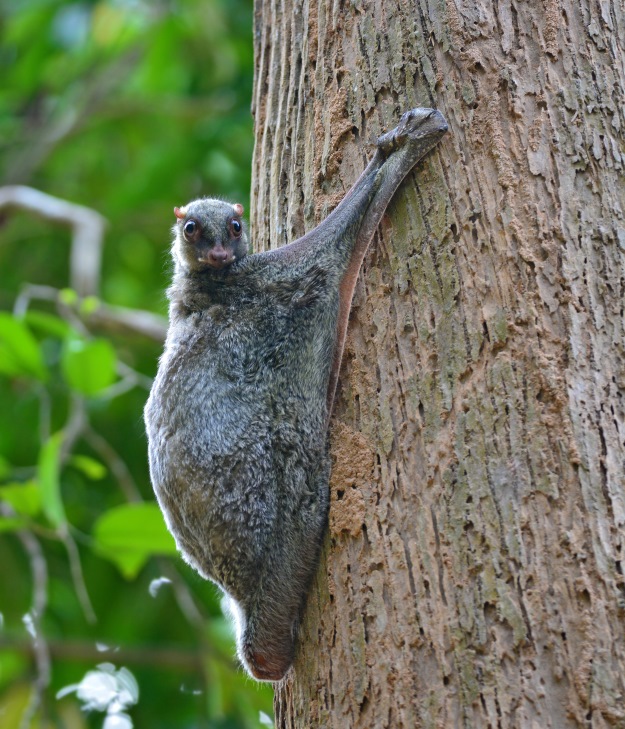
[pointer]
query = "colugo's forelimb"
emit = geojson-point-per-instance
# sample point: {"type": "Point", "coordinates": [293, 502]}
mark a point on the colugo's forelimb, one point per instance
{"type": "Point", "coordinates": [237, 416]}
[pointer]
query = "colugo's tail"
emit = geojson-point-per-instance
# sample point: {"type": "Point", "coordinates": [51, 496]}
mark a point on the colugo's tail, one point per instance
{"type": "Point", "coordinates": [267, 661]}
{"type": "Point", "coordinates": [265, 638]}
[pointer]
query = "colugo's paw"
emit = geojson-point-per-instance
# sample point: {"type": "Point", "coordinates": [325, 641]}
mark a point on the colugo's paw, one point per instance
{"type": "Point", "coordinates": [420, 126]}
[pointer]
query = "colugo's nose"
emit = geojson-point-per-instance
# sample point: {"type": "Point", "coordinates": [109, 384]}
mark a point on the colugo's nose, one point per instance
{"type": "Point", "coordinates": [218, 254]}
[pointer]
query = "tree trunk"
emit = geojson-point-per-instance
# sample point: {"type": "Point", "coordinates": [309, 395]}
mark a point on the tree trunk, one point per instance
{"type": "Point", "coordinates": [472, 574]}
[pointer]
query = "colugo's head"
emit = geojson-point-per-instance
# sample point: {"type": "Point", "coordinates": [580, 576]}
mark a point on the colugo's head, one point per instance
{"type": "Point", "coordinates": [209, 234]}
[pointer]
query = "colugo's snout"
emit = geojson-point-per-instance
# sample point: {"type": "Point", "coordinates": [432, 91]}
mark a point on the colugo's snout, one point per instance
{"type": "Point", "coordinates": [217, 257]}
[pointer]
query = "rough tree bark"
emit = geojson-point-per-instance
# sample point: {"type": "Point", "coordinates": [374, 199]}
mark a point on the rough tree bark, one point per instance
{"type": "Point", "coordinates": [473, 573]}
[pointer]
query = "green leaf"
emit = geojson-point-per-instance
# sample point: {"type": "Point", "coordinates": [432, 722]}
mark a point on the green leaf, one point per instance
{"type": "Point", "coordinates": [5, 467]}
{"type": "Point", "coordinates": [47, 324]}
{"type": "Point", "coordinates": [89, 466]}
{"type": "Point", "coordinates": [9, 366]}
{"type": "Point", "coordinates": [19, 351]}
{"type": "Point", "coordinates": [11, 524]}
{"type": "Point", "coordinates": [89, 305]}
{"type": "Point", "coordinates": [25, 498]}
{"type": "Point", "coordinates": [129, 535]}
{"type": "Point", "coordinates": [68, 297]}
{"type": "Point", "coordinates": [88, 366]}
{"type": "Point", "coordinates": [49, 479]}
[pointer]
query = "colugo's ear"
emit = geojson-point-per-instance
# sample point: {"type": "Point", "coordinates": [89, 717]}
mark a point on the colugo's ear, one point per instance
{"type": "Point", "coordinates": [180, 213]}
{"type": "Point", "coordinates": [238, 209]}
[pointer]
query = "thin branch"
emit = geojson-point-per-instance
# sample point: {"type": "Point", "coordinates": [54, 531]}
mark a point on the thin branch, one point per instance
{"type": "Point", "coordinates": [184, 597]}
{"type": "Point", "coordinates": [36, 292]}
{"type": "Point", "coordinates": [74, 650]}
{"type": "Point", "coordinates": [119, 388]}
{"type": "Point", "coordinates": [115, 463]}
{"type": "Point", "coordinates": [87, 230]}
{"type": "Point", "coordinates": [38, 645]}
{"type": "Point", "coordinates": [78, 578]}
{"type": "Point", "coordinates": [30, 292]}
{"type": "Point", "coordinates": [192, 612]}
{"type": "Point", "coordinates": [45, 413]}
{"type": "Point", "coordinates": [118, 318]}
{"type": "Point", "coordinates": [75, 425]}
{"type": "Point", "coordinates": [138, 378]}
{"type": "Point", "coordinates": [112, 318]}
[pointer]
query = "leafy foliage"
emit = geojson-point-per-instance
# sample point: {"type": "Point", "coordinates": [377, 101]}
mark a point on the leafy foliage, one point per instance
{"type": "Point", "coordinates": [130, 534]}
{"type": "Point", "coordinates": [127, 107]}
{"type": "Point", "coordinates": [88, 365]}
{"type": "Point", "coordinates": [19, 353]}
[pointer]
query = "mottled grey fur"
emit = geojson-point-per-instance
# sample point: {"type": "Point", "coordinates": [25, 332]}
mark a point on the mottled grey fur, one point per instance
{"type": "Point", "coordinates": [237, 418]}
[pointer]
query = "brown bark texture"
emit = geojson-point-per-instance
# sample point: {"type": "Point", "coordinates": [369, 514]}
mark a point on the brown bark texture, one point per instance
{"type": "Point", "coordinates": [473, 571]}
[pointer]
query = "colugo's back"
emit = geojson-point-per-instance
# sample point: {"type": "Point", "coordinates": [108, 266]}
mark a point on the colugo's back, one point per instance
{"type": "Point", "coordinates": [237, 417]}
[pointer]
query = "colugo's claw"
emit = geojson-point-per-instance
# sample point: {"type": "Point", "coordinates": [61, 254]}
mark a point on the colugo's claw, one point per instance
{"type": "Point", "coordinates": [414, 126]}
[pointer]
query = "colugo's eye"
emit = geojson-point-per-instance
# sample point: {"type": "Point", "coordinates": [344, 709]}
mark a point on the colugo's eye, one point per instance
{"type": "Point", "coordinates": [236, 227]}
{"type": "Point", "coordinates": [189, 228]}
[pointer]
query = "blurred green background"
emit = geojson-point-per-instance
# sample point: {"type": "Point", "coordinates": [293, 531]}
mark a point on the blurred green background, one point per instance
{"type": "Point", "coordinates": [127, 107]}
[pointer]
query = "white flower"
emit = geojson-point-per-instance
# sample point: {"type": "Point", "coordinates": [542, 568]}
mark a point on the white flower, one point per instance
{"type": "Point", "coordinates": [117, 721]}
{"type": "Point", "coordinates": [107, 689]}
{"type": "Point", "coordinates": [97, 690]}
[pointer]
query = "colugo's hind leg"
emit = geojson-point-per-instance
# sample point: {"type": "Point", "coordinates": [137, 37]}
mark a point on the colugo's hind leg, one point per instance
{"type": "Point", "coordinates": [269, 619]}
{"type": "Point", "coordinates": [267, 623]}
{"type": "Point", "coordinates": [265, 637]}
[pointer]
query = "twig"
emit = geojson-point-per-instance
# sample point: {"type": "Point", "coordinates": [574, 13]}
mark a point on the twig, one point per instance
{"type": "Point", "coordinates": [30, 292]}
{"type": "Point", "coordinates": [119, 388]}
{"type": "Point", "coordinates": [189, 608]}
{"type": "Point", "coordinates": [130, 378]}
{"type": "Point", "coordinates": [113, 318]}
{"type": "Point", "coordinates": [117, 466]}
{"type": "Point", "coordinates": [74, 650]}
{"type": "Point", "coordinates": [87, 230]}
{"type": "Point", "coordinates": [184, 597]}
{"type": "Point", "coordinates": [134, 320]}
{"type": "Point", "coordinates": [78, 578]}
{"type": "Point", "coordinates": [38, 644]}
{"type": "Point", "coordinates": [75, 425]}
{"type": "Point", "coordinates": [36, 292]}
{"type": "Point", "coordinates": [129, 373]}
{"type": "Point", "coordinates": [45, 413]}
